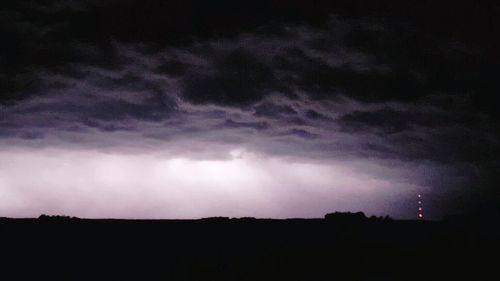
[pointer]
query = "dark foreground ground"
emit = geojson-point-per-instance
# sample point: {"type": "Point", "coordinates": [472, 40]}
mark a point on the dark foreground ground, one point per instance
{"type": "Point", "coordinates": [249, 249]}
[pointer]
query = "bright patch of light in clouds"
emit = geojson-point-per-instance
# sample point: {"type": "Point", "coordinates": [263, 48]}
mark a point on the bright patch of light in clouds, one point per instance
{"type": "Point", "coordinates": [89, 183]}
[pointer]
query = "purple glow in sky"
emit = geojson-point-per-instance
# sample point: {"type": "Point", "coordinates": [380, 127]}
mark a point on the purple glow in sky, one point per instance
{"type": "Point", "coordinates": [94, 184]}
{"type": "Point", "coordinates": [127, 109]}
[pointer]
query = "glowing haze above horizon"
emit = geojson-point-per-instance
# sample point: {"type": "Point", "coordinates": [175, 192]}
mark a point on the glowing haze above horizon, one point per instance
{"type": "Point", "coordinates": [95, 184]}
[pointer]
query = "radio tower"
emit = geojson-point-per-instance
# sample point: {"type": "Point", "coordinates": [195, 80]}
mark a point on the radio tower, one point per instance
{"type": "Point", "coordinates": [420, 208]}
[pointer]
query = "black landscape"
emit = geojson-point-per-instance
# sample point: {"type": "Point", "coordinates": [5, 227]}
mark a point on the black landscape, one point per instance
{"type": "Point", "coordinates": [341, 246]}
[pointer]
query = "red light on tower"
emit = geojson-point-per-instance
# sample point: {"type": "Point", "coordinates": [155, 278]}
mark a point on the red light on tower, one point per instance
{"type": "Point", "coordinates": [420, 213]}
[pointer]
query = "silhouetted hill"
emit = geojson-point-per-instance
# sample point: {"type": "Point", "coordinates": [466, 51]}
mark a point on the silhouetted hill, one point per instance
{"type": "Point", "coordinates": [343, 246]}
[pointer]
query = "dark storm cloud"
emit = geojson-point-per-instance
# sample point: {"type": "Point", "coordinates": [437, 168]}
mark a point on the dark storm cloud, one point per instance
{"type": "Point", "coordinates": [253, 125]}
{"type": "Point", "coordinates": [401, 63]}
{"type": "Point", "coordinates": [301, 134]}
{"type": "Point", "coordinates": [172, 68]}
{"type": "Point", "coordinates": [269, 110]}
{"type": "Point", "coordinates": [314, 115]}
{"type": "Point", "coordinates": [388, 120]}
{"type": "Point", "coordinates": [239, 79]}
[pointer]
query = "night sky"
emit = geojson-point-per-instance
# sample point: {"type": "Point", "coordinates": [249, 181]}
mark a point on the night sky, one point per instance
{"type": "Point", "coordinates": [180, 109]}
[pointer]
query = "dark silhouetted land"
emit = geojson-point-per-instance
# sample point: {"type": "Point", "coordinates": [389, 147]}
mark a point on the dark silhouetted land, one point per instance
{"type": "Point", "coordinates": [339, 247]}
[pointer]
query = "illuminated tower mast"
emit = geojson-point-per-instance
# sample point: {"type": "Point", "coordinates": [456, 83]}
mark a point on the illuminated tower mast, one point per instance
{"type": "Point", "coordinates": [420, 207]}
